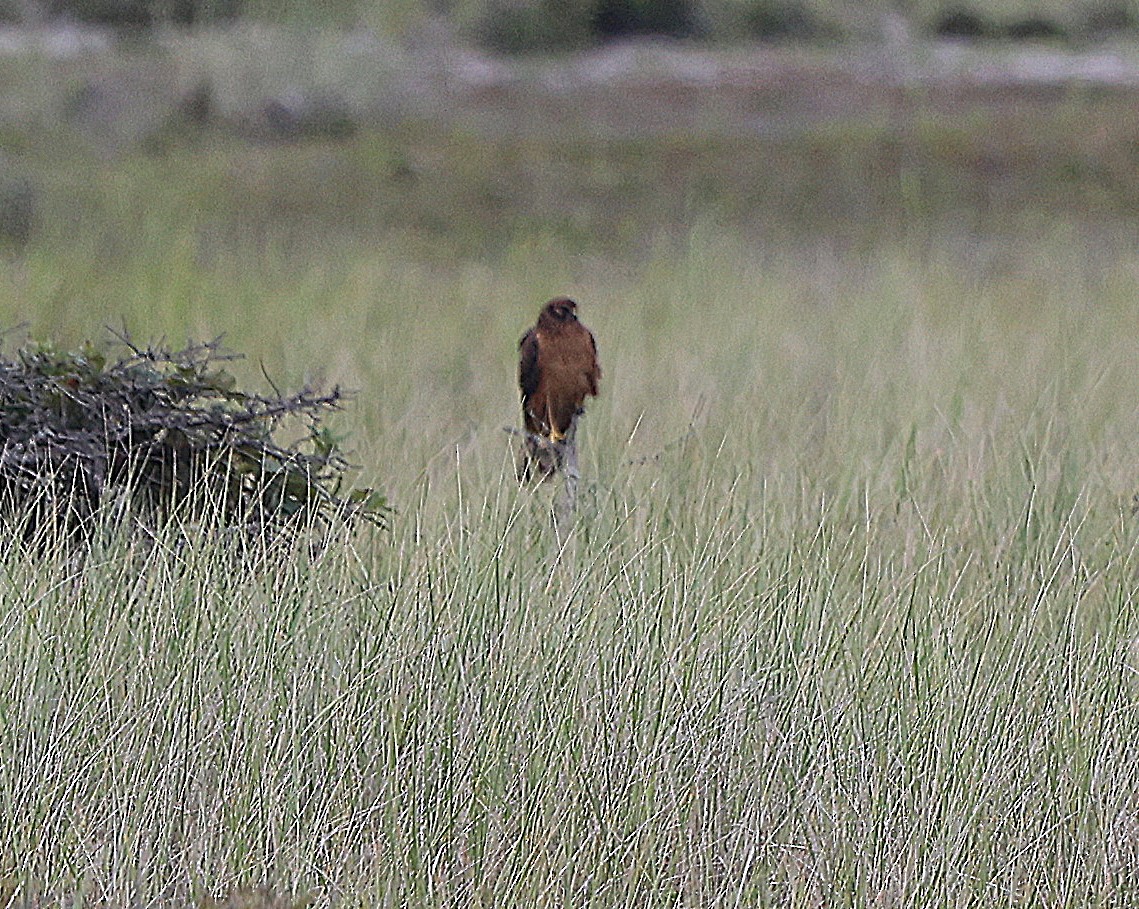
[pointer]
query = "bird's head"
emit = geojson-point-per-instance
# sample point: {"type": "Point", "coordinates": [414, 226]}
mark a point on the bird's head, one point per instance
{"type": "Point", "coordinates": [561, 309]}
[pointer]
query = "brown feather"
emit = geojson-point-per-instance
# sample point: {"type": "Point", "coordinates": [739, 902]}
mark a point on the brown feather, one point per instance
{"type": "Point", "coordinates": [558, 369]}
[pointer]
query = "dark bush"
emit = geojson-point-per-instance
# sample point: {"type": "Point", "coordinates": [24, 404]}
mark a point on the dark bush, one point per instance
{"type": "Point", "coordinates": [168, 432]}
{"type": "Point", "coordinates": [1108, 19]}
{"type": "Point", "coordinates": [959, 23]}
{"type": "Point", "coordinates": [964, 23]}
{"type": "Point", "coordinates": [622, 18]}
{"type": "Point", "coordinates": [534, 26]}
{"type": "Point", "coordinates": [145, 12]}
{"type": "Point", "coordinates": [774, 20]}
{"type": "Point", "coordinates": [1034, 28]}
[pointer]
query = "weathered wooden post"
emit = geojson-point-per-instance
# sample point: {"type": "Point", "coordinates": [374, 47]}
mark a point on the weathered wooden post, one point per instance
{"type": "Point", "coordinates": [565, 504]}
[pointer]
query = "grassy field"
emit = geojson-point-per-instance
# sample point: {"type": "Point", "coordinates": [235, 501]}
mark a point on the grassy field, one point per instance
{"type": "Point", "coordinates": [847, 616]}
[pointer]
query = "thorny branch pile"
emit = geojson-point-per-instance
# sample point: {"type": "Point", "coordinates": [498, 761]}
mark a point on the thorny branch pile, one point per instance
{"type": "Point", "coordinates": [167, 432]}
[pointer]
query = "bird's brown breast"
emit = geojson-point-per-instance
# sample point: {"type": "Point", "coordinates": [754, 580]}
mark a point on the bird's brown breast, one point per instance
{"type": "Point", "coordinates": [567, 373]}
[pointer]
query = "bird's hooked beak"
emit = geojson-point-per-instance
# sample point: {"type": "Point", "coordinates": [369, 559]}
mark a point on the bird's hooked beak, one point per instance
{"type": "Point", "coordinates": [566, 311]}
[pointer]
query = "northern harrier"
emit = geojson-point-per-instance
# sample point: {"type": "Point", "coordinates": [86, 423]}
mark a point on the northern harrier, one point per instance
{"type": "Point", "coordinates": [558, 369]}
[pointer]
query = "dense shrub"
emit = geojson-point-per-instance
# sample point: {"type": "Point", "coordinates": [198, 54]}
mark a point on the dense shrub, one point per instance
{"type": "Point", "coordinates": [1078, 21]}
{"type": "Point", "coordinates": [783, 19]}
{"type": "Point", "coordinates": [959, 22]}
{"type": "Point", "coordinates": [962, 23]}
{"type": "Point", "coordinates": [142, 12]}
{"type": "Point", "coordinates": [528, 26]}
{"type": "Point", "coordinates": [168, 432]}
{"type": "Point", "coordinates": [525, 26]}
{"type": "Point", "coordinates": [620, 18]}
{"type": "Point", "coordinates": [1109, 18]}
{"type": "Point", "coordinates": [535, 26]}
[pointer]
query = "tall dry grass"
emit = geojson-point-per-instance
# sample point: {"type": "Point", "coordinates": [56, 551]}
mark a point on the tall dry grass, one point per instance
{"type": "Point", "coordinates": [847, 615]}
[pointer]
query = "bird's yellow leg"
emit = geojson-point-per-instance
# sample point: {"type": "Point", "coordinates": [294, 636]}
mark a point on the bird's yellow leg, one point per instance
{"type": "Point", "coordinates": [555, 435]}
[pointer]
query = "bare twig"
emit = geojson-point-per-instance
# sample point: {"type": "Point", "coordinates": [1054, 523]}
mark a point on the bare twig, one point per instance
{"type": "Point", "coordinates": [678, 442]}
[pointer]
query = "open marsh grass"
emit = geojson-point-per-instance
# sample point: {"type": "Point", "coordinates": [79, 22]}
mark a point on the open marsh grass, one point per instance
{"type": "Point", "coordinates": [848, 612]}
{"type": "Point", "coordinates": [847, 617]}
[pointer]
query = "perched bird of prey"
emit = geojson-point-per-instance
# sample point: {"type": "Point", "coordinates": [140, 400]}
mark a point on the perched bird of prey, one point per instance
{"type": "Point", "coordinates": [557, 370]}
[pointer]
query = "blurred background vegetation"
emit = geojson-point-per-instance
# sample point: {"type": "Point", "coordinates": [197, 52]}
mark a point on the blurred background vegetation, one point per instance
{"type": "Point", "coordinates": [468, 121]}
{"type": "Point", "coordinates": [532, 25]}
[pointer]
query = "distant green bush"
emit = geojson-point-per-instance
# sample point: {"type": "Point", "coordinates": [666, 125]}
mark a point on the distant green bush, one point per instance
{"type": "Point", "coordinates": [534, 26]}
{"type": "Point", "coordinates": [537, 26]}
{"type": "Point", "coordinates": [672, 18]}
{"type": "Point", "coordinates": [972, 24]}
{"type": "Point", "coordinates": [517, 26]}
{"type": "Point", "coordinates": [1110, 18]}
{"type": "Point", "coordinates": [1015, 22]}
{"type": "Point", "coordinates": [774, 20]}
{"type": "Point", "coordinates": [146, 12]}
{"type": "Point", "coordinates": [528, 26]}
